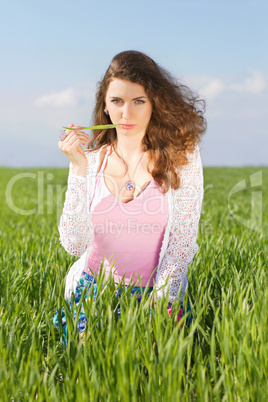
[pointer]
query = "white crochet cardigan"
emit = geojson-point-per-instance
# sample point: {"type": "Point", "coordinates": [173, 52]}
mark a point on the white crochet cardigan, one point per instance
{"type": "Point", "coordinates": [179, 243]}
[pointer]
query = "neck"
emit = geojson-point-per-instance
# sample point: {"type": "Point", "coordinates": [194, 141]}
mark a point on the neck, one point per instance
{"type": "Point", "coordinates": [130, 147]}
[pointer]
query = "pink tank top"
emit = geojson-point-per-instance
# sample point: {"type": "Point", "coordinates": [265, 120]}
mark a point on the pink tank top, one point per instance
{"type": "Point", "coordinates": [130, 233]}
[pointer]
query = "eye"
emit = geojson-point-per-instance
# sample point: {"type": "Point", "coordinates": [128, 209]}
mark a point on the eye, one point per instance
{"type": "Point", "coordinates": [139, 101]}
{"type": "Point", "coordinates": [116, 101]}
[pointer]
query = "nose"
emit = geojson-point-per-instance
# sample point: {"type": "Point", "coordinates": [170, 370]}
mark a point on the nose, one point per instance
{"type": "Point", "coordinates": [126, 111]}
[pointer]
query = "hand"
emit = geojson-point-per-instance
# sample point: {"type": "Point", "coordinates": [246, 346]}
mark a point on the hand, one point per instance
{"type": "Point", "coordinates": [71, 146]}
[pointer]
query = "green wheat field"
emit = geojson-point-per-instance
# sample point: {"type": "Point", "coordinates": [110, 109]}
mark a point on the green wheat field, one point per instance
{"type": "Point", "coordinates": [222, 356]}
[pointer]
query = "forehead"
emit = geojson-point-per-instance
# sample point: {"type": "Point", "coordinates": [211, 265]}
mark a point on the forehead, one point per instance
{"type": "Point", "coordinates": [122, 88]}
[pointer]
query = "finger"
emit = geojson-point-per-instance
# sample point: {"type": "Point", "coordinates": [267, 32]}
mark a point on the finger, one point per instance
{"type": "Point", "coordinates": [75, 127]}
{"type": "Point", "coordinates": [70, 138]}
{"type": "Point", "coordinates": [69, 142]}
{"type": "Point", "coordinates": [76, 144]}
{"type": "Point", "coordinates": [70, 148]}
{"type": "Point", "coordinates": [80, 132]}
{"type": "Point", "coordinates": [84, 136]}
{"type": "Point", "coordinates": [69, 131]}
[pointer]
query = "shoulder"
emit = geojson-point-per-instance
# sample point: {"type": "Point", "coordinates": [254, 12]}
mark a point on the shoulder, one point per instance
{"type": "Point", "coordinates": [194, 155]}
{"type": "Point", "coordinates": [194, 162]}
{"type": "Point", "coordinates": [191, 174]}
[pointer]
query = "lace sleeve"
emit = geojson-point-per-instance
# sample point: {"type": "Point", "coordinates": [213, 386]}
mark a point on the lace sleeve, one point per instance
{"type": "Point", "coordinates": [75, 224]}
{"type": "Point", "coordinates": [182, 246]}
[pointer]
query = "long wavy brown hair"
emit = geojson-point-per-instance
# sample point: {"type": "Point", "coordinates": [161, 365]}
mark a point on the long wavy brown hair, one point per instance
{"type": "Point", "coordinates": [177, 120]}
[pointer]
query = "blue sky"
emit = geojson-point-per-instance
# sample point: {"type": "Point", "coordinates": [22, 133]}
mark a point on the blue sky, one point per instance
{"type": "Point", "coordinates": [54, 52]}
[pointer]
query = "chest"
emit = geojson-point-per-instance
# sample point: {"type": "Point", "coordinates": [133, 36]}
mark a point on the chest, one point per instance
{"type": "Point", "coordinates": [116, 177]}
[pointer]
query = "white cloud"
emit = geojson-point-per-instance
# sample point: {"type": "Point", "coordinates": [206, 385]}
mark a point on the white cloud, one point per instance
{"type": "Point", "coordinates": [207, 86]}
{"type": "Point", "coordinates": [196, 81]}
{"type": "Point", "coordinates": [68, 97]}
{"type": "Point", "coordinates": [255, 84]}
{"type": "Point", "coordinates": [212, 88]}
{"type": "Point", "coordinates": [63, 98]}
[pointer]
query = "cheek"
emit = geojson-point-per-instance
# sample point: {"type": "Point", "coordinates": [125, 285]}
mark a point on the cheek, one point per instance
{"type": "Point", "coordinates": [148, 113]}
{"type": "Point", "coordinates": [113, 109]}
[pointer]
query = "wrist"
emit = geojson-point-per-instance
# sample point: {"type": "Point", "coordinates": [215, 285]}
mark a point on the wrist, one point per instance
{"type": "Point", "coordinates": [80, 170]}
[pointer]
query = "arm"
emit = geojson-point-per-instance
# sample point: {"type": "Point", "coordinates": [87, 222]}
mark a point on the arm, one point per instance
{"type": "Point", "coordinates": [182, 246]}
{"type": "Point", "coordinates": [75, 223]}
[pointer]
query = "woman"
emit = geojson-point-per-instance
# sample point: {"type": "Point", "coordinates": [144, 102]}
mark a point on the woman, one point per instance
{"type": "Point", "coordinates": [135, 194]}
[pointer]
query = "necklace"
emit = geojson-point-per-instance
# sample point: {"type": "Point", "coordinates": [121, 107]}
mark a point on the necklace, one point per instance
{"type": "Point", "coordinates": [130, 184]}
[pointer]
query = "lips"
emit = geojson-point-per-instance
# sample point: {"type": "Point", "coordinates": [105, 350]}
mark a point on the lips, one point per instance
{"type": "Point", "coordinates": [128, 126]}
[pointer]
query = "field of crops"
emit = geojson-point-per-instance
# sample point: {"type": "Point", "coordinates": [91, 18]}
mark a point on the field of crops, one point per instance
{"type": "Point", "coordinates": [221, 357]}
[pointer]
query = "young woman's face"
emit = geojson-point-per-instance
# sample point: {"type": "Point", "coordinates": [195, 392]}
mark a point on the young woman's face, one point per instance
{"type": "Point", "coordinates": [129, 105]}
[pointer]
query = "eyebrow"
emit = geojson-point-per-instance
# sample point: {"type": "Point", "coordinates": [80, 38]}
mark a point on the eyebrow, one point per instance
{"type": "Point", "coordinates": [118, 97]}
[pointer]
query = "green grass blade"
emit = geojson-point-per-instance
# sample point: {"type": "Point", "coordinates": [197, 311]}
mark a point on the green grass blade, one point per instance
{"type": "Point", "coordinates": [101, 127]}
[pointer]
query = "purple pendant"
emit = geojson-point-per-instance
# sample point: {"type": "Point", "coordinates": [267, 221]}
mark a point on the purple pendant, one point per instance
{"type": "Point", "coordinates": [129, 185]}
